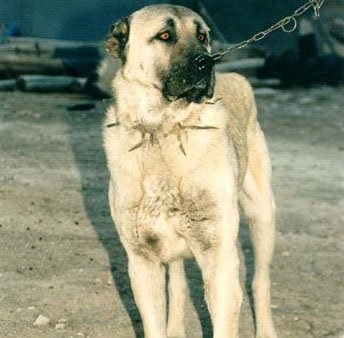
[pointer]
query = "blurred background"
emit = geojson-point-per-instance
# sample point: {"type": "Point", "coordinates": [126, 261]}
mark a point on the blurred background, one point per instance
{"type": "Point", "coordinates": [90, 19]}
{"type": "Point", "coordinates": [61, 37]}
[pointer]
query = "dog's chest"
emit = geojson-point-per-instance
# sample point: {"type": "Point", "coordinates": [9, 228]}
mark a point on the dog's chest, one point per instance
{"type": "Point", "coordinates": [167, 216]}
{"type": "Point", "coordinates": [172, 187]}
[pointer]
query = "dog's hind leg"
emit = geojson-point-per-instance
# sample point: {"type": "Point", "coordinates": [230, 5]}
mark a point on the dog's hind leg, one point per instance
{"type": "Point", "coordinates": [258, 205]}
{"type": "Point", "coordinates": [177, 290]}
{"type": "Point", "coordinates": [148, 284]}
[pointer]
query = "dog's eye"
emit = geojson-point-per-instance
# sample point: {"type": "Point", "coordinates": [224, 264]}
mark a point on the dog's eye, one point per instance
{"type": "Point", "coordinates": [201, 37]}
{"type": "Point", "coordinates": [165, 36]}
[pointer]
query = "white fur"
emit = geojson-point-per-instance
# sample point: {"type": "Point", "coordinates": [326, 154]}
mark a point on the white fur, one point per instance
{"type": "Point", "coordinates": [167, 205]}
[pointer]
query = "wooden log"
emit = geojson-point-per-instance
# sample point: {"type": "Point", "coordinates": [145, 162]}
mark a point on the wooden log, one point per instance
{"type": "Point", "coordinates": [45, 43]}
{"type": "Point", "coordinates": [7, 85]}
{"type": "Point", "coordinates": [263, 83]}
{"type": "Point", "coordinates": [41, 83]}
{"type": "Point", "coordinates": [17, 65]}
{"type": "Point", "coordinates": [50, 48]}
{"type": "Point", "coordinates": [241, 66]}
{"type": "Point", "coordinates": [27, 49]}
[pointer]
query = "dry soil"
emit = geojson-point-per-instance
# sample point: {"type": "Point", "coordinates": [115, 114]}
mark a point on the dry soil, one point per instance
{"type": "Point", "coordinates": [59, 253]}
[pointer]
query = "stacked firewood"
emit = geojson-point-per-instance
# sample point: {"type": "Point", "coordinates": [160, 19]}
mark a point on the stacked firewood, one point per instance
{"type": "Point", "coordinates": [32, 64]}
{"type": "Point", "coordinates": [46, 65]}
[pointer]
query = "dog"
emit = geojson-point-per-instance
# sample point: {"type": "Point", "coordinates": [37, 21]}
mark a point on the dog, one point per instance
{"type": "Point", "coordinates": [185, 151]}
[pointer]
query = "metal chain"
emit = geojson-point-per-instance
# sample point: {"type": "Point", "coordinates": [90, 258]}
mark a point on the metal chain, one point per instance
{"type": "Point", "coordinates": [284, 24]}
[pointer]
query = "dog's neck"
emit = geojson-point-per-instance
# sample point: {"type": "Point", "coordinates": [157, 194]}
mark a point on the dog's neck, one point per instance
{"type": "Point", "coordinates": [142, 104]}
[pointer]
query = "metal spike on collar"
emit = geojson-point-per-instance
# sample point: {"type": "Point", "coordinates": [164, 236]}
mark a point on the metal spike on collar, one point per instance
{"type": "Point", "coordinates": [153, 138]}
{"type": "Point", "coordinates": [110, 125]}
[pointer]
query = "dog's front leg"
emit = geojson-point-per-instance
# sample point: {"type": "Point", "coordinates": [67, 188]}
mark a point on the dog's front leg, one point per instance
{"type": "Point", "coordinates": [148, 283]}
{"type": "Point", "coordinates": [220, 270]}
{"type": "Point", "coordinates": [177, 290]}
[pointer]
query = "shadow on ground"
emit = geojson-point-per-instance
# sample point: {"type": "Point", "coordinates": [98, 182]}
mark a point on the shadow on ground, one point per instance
{"type": "Point", "coordinates": [94, 183]}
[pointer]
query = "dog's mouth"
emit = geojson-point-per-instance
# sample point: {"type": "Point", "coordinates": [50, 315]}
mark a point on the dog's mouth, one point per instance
{"type": "Point", "coordinates": [191, 78]}
{"type": "Point", "coordinates": [197, 92]}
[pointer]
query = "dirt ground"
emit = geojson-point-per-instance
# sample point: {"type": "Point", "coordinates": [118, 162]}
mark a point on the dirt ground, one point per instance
{"type": "Point", "coordinates": [60, 256]}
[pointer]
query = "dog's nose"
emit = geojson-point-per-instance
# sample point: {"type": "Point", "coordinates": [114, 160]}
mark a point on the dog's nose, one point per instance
{"type": "Point", "coordinates": [204, 62]}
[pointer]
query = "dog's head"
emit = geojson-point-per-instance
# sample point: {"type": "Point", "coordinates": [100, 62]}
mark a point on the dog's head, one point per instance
{"type": "Point", "coordinates": [167, 47]}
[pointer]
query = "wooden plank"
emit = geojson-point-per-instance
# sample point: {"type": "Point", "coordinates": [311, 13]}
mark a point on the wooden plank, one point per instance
{"type": "Point", "coordinates": [263, 83]}
{"type": "Point", "coordinates": [41, 83]}
{"type": "Point", "coordinates": [17, 65]}
{"type": "Point", "coordinates": [7, 85]}
{"type": "Point", "coordinates": [52, 42]}
{"type": "Point", "coordinates": [27, 49]}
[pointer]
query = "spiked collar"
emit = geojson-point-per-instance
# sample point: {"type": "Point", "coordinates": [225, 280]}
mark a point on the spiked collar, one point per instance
{"type": "Point", "coordinates": [150, 135]}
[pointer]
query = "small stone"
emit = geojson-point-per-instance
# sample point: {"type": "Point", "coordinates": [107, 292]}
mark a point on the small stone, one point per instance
{"type": "Point", "coordinates": [41, 321]}
{"type": "Point", "coordinates": [60, 326]}
{"type": "Point", "coordinates": [31, 308]}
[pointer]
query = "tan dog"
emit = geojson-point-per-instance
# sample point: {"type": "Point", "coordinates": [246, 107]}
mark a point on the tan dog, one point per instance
{"type": "Point", "coordinates": [183, 148]}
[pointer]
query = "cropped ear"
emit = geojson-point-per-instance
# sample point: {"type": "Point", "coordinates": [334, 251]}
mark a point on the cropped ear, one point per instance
{"type": "Point", "coordinates": [117, 38]}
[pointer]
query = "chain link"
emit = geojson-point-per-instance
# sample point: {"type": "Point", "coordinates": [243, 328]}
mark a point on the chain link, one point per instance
{"type": "Point", "coordinates": [283, 24]}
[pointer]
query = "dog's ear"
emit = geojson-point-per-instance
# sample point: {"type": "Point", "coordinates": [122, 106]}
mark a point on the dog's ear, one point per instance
{"type": "Point", "coordinates": [117, 38]}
